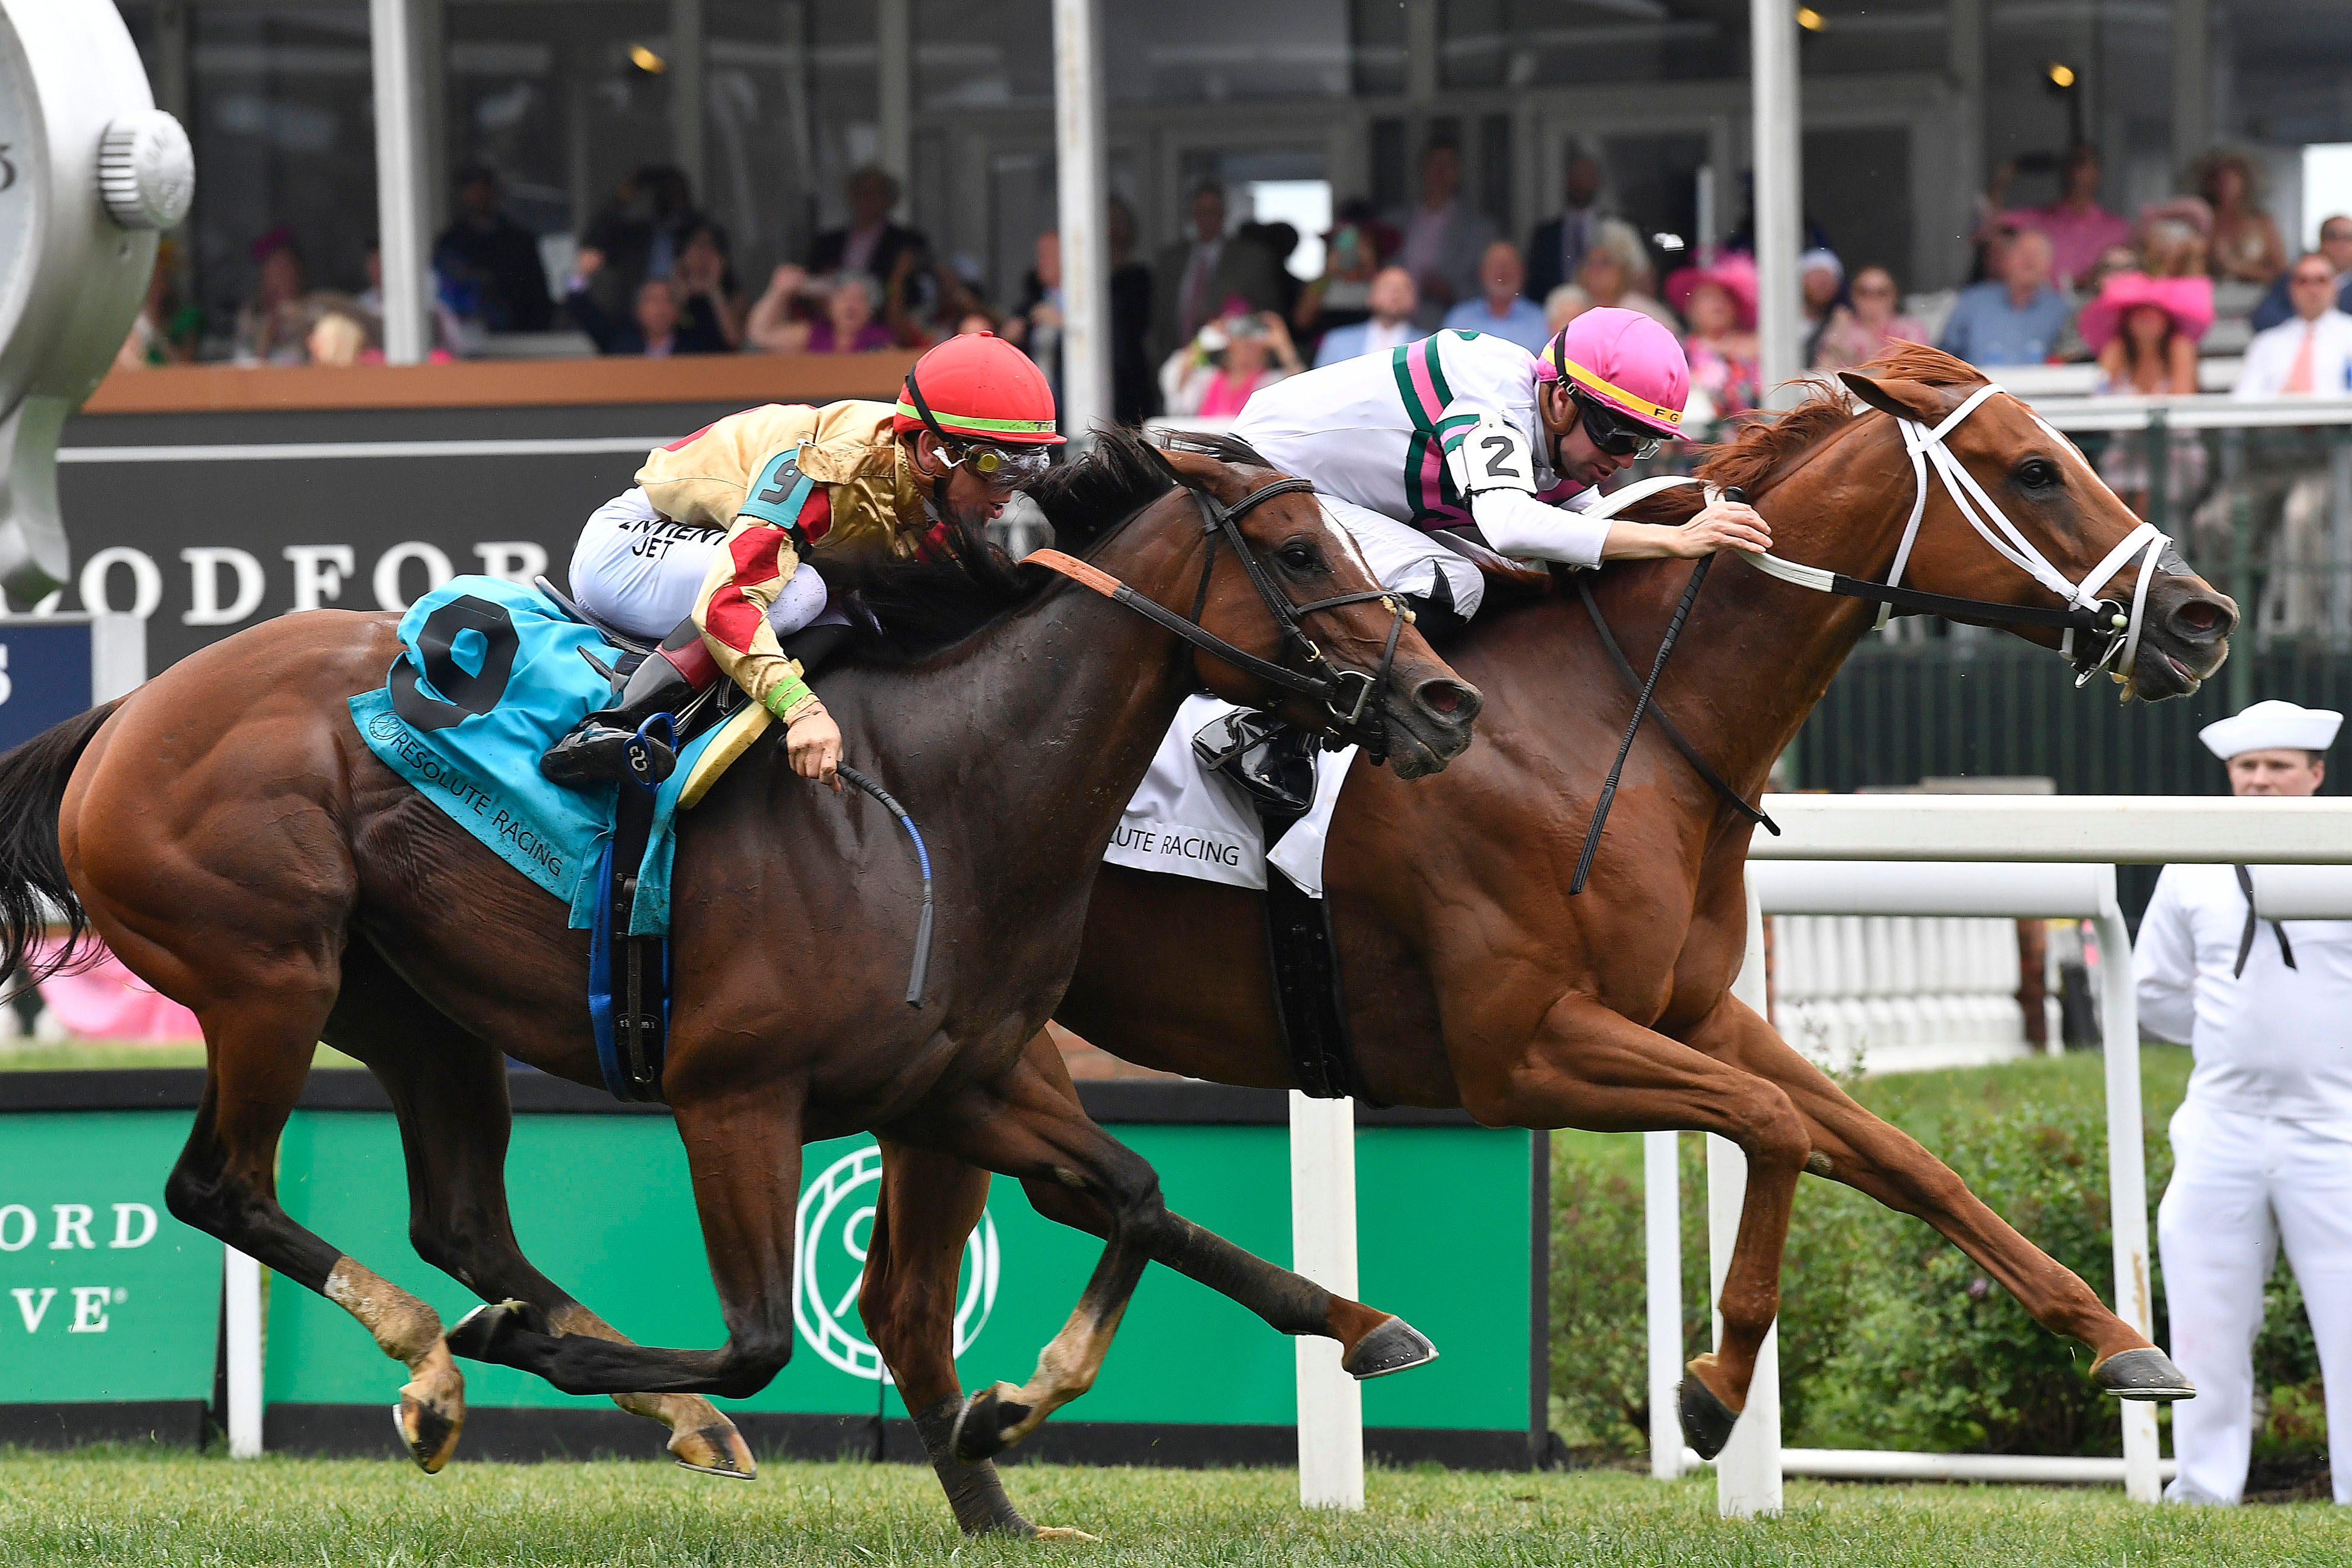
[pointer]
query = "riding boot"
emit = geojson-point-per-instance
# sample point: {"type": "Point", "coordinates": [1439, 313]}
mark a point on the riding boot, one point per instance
{"type": "Point", "coordinates": [1273, 762]}
{"type": "Point", "coordinates": [606, 745]}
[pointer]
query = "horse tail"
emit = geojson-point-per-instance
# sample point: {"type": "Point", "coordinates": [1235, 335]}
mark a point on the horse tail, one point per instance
{"type": "Point", "coordinates": [35, 891]}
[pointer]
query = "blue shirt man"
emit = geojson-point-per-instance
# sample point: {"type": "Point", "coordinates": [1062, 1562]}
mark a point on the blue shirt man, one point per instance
{"type": "Point", "coordinates": [2335, 244]}
{"type": "Point", "coordinates": [2015, 321]}
{"type": "Point", "coordinates": [1502, 312]}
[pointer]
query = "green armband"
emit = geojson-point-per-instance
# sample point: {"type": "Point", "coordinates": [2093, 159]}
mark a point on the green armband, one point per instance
{"type": "Point", "coordinates": [786, 695]}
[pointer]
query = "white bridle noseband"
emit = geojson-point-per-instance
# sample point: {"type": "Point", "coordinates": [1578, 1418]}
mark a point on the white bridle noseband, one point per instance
{"type": "Point", "coordinates": [2086, 610]}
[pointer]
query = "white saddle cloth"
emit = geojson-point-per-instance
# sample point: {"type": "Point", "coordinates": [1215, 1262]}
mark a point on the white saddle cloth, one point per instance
{"type": "Point", "coordinates": [1191, 822]}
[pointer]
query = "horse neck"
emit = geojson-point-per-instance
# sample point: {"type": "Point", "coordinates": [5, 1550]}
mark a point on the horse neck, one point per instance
{"type": "Point", "coordinates": [1757, 653]}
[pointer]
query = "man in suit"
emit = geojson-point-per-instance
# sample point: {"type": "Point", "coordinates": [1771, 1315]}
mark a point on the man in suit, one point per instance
{"type": "Point", "coordinates": [1199, 274]}
{"type": "Point", "coordinates": [1443, 236]}
{"type": "Point", "coordinates": [1557, 248]}
{"type": "Point", "coordinates": [871, 244]}
{"type": "Point", "coordinates": [1391, 327]}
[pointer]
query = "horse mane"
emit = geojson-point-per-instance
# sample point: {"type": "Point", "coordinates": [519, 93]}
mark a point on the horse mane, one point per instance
{"type": "Point", "coordinates": [1766, 449]}
{"type": "Point", "coordinates": [907, 611]}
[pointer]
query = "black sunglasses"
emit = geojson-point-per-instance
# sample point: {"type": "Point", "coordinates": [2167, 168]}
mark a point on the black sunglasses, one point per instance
{"type": "Point", "coordinates": [1612, 432]}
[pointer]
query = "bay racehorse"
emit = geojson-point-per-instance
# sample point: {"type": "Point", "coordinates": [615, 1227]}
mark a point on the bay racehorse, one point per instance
{"type": "Point", "coordinates": [1473, 979]}
{"type": "Point", "coordinates": [230, 837]}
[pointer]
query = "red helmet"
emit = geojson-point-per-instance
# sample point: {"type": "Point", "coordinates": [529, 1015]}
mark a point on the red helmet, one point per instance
{"type": "Point", "coordinates": [981, 388]}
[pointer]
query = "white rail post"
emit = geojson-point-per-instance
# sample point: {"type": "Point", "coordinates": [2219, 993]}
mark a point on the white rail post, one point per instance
{"type": "Point", "coordinates": [1778, 145]}
{"type": "Point", "coordinates": [242, 1278]}
{"type": "Point", "coordinates": [400, 177]}
{"type": "Point", "coordinates": [1323, 1248]}
{"type": "Point", "coordinates": [1082, 189]}
{"type": "Point", "coordinates": [1662, 1225]}
{"type": "Point", "coordinates": [1747, 1471]}
{"type": "Point", "coordinates": [2127, 1172]}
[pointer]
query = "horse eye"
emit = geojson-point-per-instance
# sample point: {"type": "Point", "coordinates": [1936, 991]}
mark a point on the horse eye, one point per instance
{"type": "Point", "coordinates": [1298, 557]}
{"type": "Point", "coordinates": [2037, 474]}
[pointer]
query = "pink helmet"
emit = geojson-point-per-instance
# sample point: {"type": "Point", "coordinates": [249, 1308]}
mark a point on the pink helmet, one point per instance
{"type": "Point", "coordinates": [1625, 361]}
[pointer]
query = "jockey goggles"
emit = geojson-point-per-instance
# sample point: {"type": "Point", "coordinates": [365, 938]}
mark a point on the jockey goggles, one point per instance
{"type": "Point", "coordinates": [1003, 468]}
{"type": "Point", "coordinates": [1612, 432]}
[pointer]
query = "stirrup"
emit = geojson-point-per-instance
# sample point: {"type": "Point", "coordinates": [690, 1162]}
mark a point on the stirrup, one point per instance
{"type": "Point", "coordinates": [1273, 762]}
{"type": "Point", "coordinates": [598, 753]}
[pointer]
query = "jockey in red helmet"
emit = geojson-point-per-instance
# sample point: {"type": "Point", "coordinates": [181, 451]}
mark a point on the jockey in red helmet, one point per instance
{"type": "Point", "coordinates": [709, 547]}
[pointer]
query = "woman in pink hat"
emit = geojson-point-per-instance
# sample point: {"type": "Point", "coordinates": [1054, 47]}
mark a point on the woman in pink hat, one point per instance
{"type": "Point", "coordinates": [1720, 302]}
{"type": "Point", "coordinates": [2144, 332]}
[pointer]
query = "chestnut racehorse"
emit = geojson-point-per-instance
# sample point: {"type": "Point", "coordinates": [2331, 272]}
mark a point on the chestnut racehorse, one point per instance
{"type": "Point", "coordinates": [1473, 979]}
{"type": "Point", "coordinates": [234, 840]}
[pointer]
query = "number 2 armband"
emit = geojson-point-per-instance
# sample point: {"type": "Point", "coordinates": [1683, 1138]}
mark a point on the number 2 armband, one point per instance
{"type": "Point", "coordinates": [1490, 454]}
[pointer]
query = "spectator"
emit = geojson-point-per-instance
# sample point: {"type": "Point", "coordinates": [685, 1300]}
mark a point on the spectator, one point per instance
{"type": "Point", "coordinates": [1389, 325]}
{"type": "Point", "coordinates": [1280, 240]}
{"type": "Point", "coordinates": [2078, 227]}
{"type": "Point", "coordinates": [2246, 244]}
{"type": "Point", "coordinates": [338, 338]}
{"type": "Point", "coordinates": [1563, 305]}
{"type": "Point", "coordinates": [1343, 295]}
{"type": "Point", "coordinates": [2335, 244]}
{"type": "Point", "coordinates": [1720, 301]}
{"type": "Point", "coordinates": [2144, 332]}
{"type": "Point", "coordinates": [487, 265]}
{"type": "Point", "coordinates": [1821, 289]}
{"type": "Point", "coordinates": [1860, 331]}
{"type": "Point", "coordinates": [1213, 376]}
{"type": "Point", "coordinates": [2016, 319]}
{"type": "Point", "coordinates": [710, 305]}
{"type": "Point", "coordinates": [1195, 275]}
{"type": "Point", "coordinates": [1556, 250]}
{"type": "Point", "coordinates": [871, 243]}
{"type": "Point", "coordinates": [2174, 238]}
{"type": "Point", "coordinates": [1134, 393]}
{"type": "Point", "coordinates": [1504, 311]}
{"type": "Point", "coordinates": [1036, 322]}
{"type": "Point", "coordinates": [849, 301]}
{"type": "Point", "coordinates": [1616, 272]}
{"type": "Point", "coordinates": [641, 232]}
{"type": "Point", "coordinates": [274, 325]}
{"type": "Point", "coordinates": [651, 329]}
{"type": "Point", "coordinates": [1443, 239]}
{"type": "Point", "coordinates": [165, 330]}
{"type": "Point", "coordinates": [2309, 353]}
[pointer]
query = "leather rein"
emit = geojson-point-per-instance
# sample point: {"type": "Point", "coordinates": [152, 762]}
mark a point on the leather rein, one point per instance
{"type": "Point", "coordinates": [1344, 693]}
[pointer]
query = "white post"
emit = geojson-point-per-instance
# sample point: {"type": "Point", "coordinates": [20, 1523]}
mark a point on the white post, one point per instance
{"type": "Point", "coordinates": [1747, 1471]}
{"type": "Point", "coordinates": [2127, 1173]}
{"type": "Point", "coordinates": [1323, 1248]}
{"type": "Point", "coordinates": [1662, 1233]}
{"type": "Point", "coordinates": [1780, 190]}
{"type": "Point", "coordinates": [399, 176]}
{"type": "Point", "coordinates": [894, 85]}
{"type": "Point", "coordinates": [243, 1331]}
{"type": "Point", "coordinates": [1080, 187]}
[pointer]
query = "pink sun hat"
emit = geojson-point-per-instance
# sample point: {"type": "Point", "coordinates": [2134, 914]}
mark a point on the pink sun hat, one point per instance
{"type": "Point", "coordinates": [1734, 274]}
{"type": "Point", "coordinates": [1624, 360]}
{"type": "Point", "coordinates": [2188, 302]}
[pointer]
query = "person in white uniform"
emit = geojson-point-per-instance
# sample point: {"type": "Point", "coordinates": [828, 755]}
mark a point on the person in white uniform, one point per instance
{"type": "Point", "coordinates": [2263, 1144]}
{"type": "Point", "coordinates": [640, 572]}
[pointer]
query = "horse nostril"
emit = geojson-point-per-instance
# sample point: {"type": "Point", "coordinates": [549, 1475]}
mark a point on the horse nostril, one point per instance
{"type": "Point", "coordinates": [2202, 617]}
{"type": "Point", "coordinates": [1449, 699]}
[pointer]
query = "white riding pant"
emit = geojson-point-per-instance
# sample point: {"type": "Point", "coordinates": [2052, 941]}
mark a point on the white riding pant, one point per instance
{"type": "Point", "coordinates": [1404, 558]}
{"type": "Point", "coordinates": [640, 572]}
{"type": "Point", "coordinates": [2241, 1185]}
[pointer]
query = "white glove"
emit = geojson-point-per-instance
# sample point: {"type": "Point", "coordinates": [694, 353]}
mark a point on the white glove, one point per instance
{"type": "Point", "coordinates": [1491, 455]}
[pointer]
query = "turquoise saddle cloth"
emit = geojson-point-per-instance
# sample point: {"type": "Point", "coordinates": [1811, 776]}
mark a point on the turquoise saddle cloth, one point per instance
{"type": "Point", "coordinates": [489, 676]}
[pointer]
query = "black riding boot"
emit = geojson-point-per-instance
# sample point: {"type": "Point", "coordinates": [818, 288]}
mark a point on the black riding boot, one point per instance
{"type": "Point", "coordinates": [1274, 762]}
{"type": "Point", "coordinates": [604, 746]}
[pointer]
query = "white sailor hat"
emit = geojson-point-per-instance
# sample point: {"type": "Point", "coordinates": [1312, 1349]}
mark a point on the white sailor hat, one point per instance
{"type": "Point", "coordinates": [2270, 724]}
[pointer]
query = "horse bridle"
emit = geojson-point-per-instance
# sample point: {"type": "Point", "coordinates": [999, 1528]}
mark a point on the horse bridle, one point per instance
{"type": "Point", "coordinates": [2085, 612]}
{"type": "Point", "coordinates": [1344, 693]}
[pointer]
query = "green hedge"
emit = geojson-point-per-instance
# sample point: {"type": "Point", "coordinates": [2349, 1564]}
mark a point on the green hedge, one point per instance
{"type": "Point", "coordinates": [1891, 1338]}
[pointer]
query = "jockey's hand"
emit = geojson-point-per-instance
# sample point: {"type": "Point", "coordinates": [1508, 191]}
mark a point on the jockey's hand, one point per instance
{"type": "Point", "coordinates": [813, 746]}
{"type": "Point", "coordinates": [1720, 525]}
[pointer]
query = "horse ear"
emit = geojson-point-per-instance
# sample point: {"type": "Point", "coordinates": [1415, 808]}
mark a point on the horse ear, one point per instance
{"type": "Point", "coordinates": [1192, 470]}
{"type": "Point", "coordinates": [1903, 399]}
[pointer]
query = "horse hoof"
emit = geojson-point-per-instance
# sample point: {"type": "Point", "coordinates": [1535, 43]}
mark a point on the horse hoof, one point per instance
{"type": "Point", "coordinates": [1395, 1346]}
{"type": "Point", "coordinates": [985, 1427]}
{"type": "Point", "coordinates": [477, 1334]}
{"type": "Point", "coordinates": [1706, 1420]}
{"type": "Point", "coordinates": [2143, 1373]}
{"type": "Point", "coordinates": [428, 1434]}
{"type": "Point", "coordinates": [717, 1450]}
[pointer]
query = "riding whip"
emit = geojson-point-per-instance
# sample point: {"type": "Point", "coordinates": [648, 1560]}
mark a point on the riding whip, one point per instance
{"type": "Point", "coordinates": [922, 965]}
{"type": "Point", "coordinates": [1641, 706]}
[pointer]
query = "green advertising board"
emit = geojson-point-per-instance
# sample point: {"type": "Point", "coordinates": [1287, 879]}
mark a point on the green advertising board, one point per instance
{"type": "Point", "coordinates": [109, 1309]}
{"type": "Point", "coordinates": [1448, 1237]}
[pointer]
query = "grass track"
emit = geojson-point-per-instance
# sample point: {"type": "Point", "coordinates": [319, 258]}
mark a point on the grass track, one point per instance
{"type": "Point", "coordinates": [102, 1507]}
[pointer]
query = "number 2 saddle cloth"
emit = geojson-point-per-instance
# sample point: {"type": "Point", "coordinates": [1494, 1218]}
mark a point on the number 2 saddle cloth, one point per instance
{"type": "Point", "coordinates": [489, 674]}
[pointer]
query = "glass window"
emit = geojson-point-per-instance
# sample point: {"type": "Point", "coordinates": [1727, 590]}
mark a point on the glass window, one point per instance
{"type": "Point", "coordinates": [759, 141]}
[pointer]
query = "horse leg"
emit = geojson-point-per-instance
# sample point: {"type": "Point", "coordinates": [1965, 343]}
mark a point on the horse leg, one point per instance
{"type": "Point", "coordinates": [1849, 1144]}
{"type": "Point", "coordinates": [929, 1205]}
{"type": "Point", "coordinates": [226, 1185]}
{"type": "Point", "coordinates": [1589, 1068]}
{"type": "Point", "coordinates": [449, 1093]}
{"type": "Point", "coordinates": [744, 1150]}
